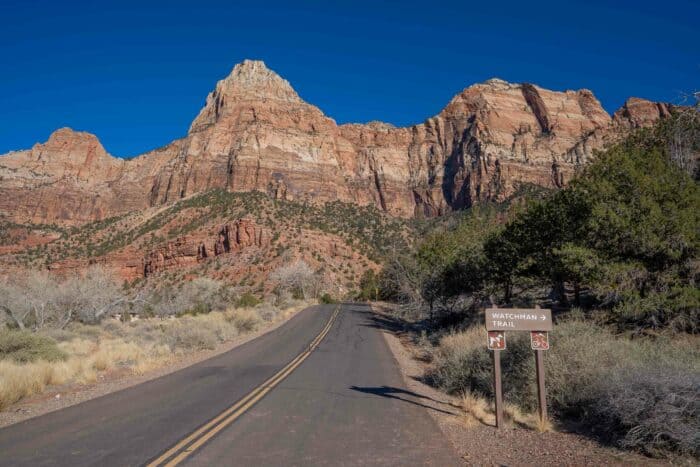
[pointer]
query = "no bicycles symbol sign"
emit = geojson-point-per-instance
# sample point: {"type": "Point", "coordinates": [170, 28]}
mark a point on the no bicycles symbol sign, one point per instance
{"type": "Point", "coordinates": [539, 340]}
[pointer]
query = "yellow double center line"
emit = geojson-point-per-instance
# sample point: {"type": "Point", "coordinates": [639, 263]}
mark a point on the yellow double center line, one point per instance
{"type": "Point", "coordinates": [194, 441]}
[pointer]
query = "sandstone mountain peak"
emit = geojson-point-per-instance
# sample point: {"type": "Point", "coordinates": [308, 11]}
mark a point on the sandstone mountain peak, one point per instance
{"type": "Point", "coordinates": [250, 80]}
{"type": "Point", "coordinates": [73, 166]}
{"type": "Point", "coordinates": [497, 83]}
{"type": "Point", "coordinates": [256, 134]}
{"type": "Point", "coordinates": [67, 136]}
{"type": "Point", "coordinates": [253, 73]}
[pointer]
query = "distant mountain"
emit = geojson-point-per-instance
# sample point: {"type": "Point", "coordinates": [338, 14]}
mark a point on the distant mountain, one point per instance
{"type": "Point", "coordinates": [256, 134]}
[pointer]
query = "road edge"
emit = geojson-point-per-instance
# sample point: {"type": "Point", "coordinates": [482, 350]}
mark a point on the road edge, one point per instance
{"type": "Point", "coordinates": [410, 371]}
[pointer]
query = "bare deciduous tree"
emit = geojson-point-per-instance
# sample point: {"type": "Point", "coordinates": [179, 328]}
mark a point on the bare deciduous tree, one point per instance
{"type": "Point", "coordinates": [296, 278]}
{"type": "Point", "coordinates": [11, 304]}
{"type": "Point", "coordinates": [209, 294]}
{"type": "Point", "coordinates": [30, 300]}
{"type": "Point", "coordinates": [684, 137]}
{"type": "Point", "coordinates": [38, 300]}
{"type": "Point", "coordinates": [403, 277]}
{"type": "Point", "coordinates": [90, 297]}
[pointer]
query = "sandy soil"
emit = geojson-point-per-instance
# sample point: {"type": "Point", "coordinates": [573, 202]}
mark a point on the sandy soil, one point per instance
{"type": "Point", "coordinates": [482, 444]}
{"type": "Point", "coordinates": [59, 397]}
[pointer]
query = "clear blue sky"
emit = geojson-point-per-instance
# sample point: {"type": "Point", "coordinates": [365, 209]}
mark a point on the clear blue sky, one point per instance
{"type": "Point", "coordinates": [136, 73]}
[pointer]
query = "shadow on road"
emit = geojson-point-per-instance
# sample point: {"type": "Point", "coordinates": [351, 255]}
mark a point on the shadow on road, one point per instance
{"type": "Point", "coordinates": [392, 393]}
{"type": "Point", "coordinates": [382, 322]}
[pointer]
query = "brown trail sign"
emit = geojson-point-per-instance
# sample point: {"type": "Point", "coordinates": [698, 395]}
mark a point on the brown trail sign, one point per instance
{"type": "Point", "coordinates": [538, 322]}
{"type": "Point", "coordinates": [518, 319]}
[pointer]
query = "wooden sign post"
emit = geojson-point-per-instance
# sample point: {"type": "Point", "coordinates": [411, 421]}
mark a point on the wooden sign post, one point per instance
{"type": "Point", "coordinates": [538, 322]}
{"type": "Point", "coordinates": [498, 387]}
{"type": "Point", "coordinates": [539, 341]}
{"type": "Point", "coordinates": [497, 343]}
{"type": "Point", "coordinates": [541, 393]}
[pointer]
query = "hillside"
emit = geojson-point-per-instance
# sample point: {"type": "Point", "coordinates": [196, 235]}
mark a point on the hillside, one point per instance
{"type": "Point", "coordinates": [235, 237]}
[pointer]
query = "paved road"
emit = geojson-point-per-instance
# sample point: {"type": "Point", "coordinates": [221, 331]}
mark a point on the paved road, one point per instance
{"type": "Point", "coordinates": [344, 403]}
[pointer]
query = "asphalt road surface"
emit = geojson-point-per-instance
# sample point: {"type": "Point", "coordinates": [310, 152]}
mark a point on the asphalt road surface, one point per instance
{"type": "Point", "coordinates": [322, 389]}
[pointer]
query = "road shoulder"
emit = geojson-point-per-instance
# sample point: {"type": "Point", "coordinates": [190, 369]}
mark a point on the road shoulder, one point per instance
{"type": "Point", "coordinates": [484, 445]}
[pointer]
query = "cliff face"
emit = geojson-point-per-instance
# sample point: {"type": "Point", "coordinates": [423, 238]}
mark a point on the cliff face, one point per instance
{"type": "Point", "coordinates": [71, 180]}
{"type": "Point", "coordinates": [54, 179]}
{"type": "Point", "coordinates": [188, 250]}
{"type": "Point", "coordinates": [256, 133]}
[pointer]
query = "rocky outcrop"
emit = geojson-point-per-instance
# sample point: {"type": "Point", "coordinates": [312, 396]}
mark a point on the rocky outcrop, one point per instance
{"type": "Point", "coordinates": [126, 264]}
{"type": "Point", "coordinates": [181, 252]}
{"type": "Point", "coordinates": [256, 134]}
{"type": "Point", "coordinates": [241, 234]}
{"type": "Point", "coordinates": [188, 250]}
{"type": "Point", "coordinates": [639, 113]}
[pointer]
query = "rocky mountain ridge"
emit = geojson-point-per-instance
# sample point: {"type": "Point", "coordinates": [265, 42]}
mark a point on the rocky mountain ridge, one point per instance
{"type": "Point", "coordinates": [256, 134]}
{"type": "Point", "coordinates": [239, 238]}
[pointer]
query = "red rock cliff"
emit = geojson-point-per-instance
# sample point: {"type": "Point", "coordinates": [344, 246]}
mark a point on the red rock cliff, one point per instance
{"type": "Point", "coordinates": [256, 133]}
{"type": "Point", "coordinates": [188, 250]}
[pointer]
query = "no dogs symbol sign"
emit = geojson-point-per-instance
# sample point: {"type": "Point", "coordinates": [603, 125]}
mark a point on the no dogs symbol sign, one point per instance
{"type": "Point", "coordinates": [497, 340]}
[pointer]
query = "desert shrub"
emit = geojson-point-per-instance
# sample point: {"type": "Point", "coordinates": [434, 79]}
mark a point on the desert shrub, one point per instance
{"type": "Point", "coordinates": [59, 335]}
{"type": "Point", "coordinates": [142, 331]}
{"type": "Point", "coordinates": [267, 312]}
{"type": "Point", "coordinates": [281, 298]}
{"type": "Point", "coordinates": [245, 320]}
{"type": "Point", "coordinates": [641, 394]}
{"type": "Point", "coordinates": [652, 410]}
{"type": "Point", "coordinates": [247, 300]}
{"type": "Point", "coordinates": [327, 299]}
{"type": "Point", "coordinates": [114, 328]}
{"type": "Point", "coordinates": [464, 365]}
{"type": "Point", "coordinates": [186, 335]}
{"type": "Point", "coordinates": [676, 308]}
{"type": "Point", "coordinates": [24, 346]}
{"type": "Point", "coordinates": [85, 331]}
{"type": "Point", "coordinates": [370, 286]}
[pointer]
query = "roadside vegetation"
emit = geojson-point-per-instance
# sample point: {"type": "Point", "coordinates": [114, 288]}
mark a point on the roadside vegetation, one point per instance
{"type": "Point", "coordinates": [73, 331]}
{"type": "Point", "coordinates": [615, 255]}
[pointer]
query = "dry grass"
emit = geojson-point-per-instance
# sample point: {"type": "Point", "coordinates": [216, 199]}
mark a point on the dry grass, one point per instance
{"type": "Point", "coordinates": [136, 347]}
{"type": "Point", "coordinates": [543, 425]}
{"type": "Point", "coordinates": [244, 319]}
{"type": "Point", "coordinates": [477, 410]}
